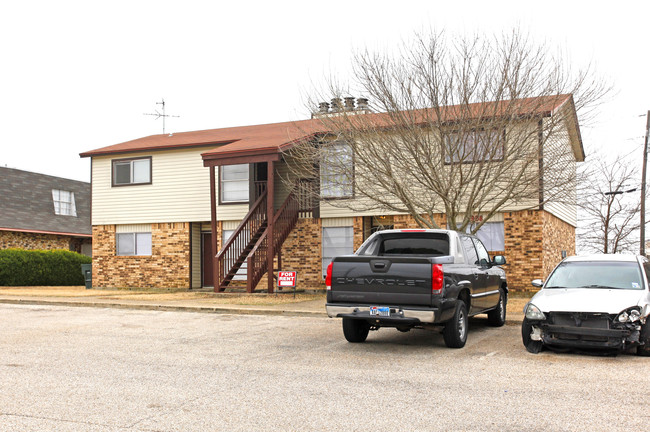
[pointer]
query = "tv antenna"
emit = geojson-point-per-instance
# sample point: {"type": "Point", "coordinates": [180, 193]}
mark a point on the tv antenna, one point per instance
{"type": "Point", "coordinates": [159, 115]}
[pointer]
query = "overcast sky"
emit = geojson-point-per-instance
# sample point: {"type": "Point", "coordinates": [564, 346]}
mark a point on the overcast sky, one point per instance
{"type": "Point", "coordinates": [79, 75]}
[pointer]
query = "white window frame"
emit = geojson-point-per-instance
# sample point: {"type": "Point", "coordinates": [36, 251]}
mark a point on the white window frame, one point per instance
{"type": "Point", "coordinates": [330, 251]}
{"type": "Point", "coordinates": [132, 164]}
{"type": "Point", "coordinates": [64, 203]}
{"type": "Point", "coordinates": [244, 181]}
{"type": "Point", "coordinates": [492, 235]}
{"type": "Point", "coordinates": [142, 244]}
{"type": "Point", "coordinates": [337, 179]}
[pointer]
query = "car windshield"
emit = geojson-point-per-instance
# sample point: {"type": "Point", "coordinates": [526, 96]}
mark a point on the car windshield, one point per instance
{"type": "Point", "coordinates": [596, 274]}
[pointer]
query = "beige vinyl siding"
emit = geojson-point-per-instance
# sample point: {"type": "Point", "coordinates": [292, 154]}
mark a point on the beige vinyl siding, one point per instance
{"type": "Point", "coordinates": [362, 206]}
{"type": "Point", "coordinates": [559, 148]}
{"type": "Point", "coordinates": [195, 232]}
{"type": "Point", "coordinates": [179, 191]}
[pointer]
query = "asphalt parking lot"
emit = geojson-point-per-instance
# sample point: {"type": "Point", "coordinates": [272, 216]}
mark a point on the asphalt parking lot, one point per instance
{"type": "Point", "coordinates": [101, 369]}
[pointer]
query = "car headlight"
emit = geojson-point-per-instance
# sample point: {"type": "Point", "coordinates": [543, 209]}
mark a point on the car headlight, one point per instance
{"type": "Point", "coordinates": [532, 312]}
{"type": "Point", "coordinates": [630, 315]}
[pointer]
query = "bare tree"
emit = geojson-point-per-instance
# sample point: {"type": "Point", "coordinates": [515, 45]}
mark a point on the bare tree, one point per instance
{"type": "Point", "coordinates": [459, 126]}
{"type": "Point", "coordinates": [609, 217]}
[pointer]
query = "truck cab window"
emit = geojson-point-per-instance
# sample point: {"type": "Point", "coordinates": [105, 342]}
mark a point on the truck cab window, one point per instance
{"type": "Point", "coordinates": [470, 250]}
{"type": "Point", "coordinates": [483, 256]}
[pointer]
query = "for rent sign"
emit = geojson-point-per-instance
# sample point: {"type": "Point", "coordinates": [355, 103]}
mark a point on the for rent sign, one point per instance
{"type": "Point", "coordinates": [287, 279]}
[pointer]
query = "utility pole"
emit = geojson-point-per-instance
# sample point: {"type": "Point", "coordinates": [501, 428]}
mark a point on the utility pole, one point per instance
{"type": "Point", "coordinates": [643, 174]}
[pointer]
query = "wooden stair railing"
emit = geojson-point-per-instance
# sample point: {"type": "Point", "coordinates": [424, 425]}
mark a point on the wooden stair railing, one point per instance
{"type": "Point", "coordinates": [284, 221]}
{"type": "Point", "coordinates": [233, 254]}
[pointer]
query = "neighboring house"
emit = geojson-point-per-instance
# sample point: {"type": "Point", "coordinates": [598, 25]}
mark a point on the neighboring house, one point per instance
{"type": "Point", "coordinates": [39, 211]}
{"type": "Point", "coordinates": [159, 200]}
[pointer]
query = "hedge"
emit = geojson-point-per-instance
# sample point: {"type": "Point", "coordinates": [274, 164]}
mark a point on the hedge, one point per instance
{"type": "Point", "coordinates": [20, 267]}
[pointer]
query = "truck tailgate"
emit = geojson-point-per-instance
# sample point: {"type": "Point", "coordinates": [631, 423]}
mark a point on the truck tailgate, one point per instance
{"type": "Point", "coordinates": [382, 280]}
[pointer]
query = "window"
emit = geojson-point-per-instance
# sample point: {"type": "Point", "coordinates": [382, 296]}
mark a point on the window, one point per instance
{"type": "Point", "coordinates": [134, 243]}
{"type": "Point", "coordinates": [234, 183]}
{"type": "Point", "coordinates": [336, 171]}
{"type": "Point", "coordinates": [243, 270]}
{"type": "Point", "coordinates": [468, 244]}
{"type": "Point", "coordinates": [336, 241]}
{"type": "Point", "coordinates": [132, 171]}
{"type": "Point", "coordinates": [596, 274]}
{"type": "Point", "coordinates": [483, 256]}
{"type": "Point", "coordinates": [474, 146]}
{"type": "Point", "coordinates": [492, 236]}
{"type": "Point", "coordinates": [422, 244]}
{"type": "Point", "coordinates": [64, 203]}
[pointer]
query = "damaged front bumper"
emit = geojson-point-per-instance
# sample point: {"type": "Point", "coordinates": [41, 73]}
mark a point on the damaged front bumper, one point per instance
{"type": "Point", "coordinates": [593, 331]}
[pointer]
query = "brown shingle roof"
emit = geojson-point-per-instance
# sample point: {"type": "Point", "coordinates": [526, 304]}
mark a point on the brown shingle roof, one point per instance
{"type": "Point", "coordinates": [274, 137]}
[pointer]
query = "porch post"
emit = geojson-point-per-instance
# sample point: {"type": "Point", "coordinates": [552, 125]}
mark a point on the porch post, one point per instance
{"type": "Point", "coordinates": [213, 212]}
{"type": "Point", "coordinates": [270, 188]}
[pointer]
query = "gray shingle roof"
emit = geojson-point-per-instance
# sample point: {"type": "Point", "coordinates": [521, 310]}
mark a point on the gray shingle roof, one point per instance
{"type": "Point", "coordinates": [26, 203]}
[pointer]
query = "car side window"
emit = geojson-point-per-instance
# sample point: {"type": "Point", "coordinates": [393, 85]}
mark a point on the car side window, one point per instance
{"type": "Point", "coordinates": [483, 256]}
{"type": "Point", "coordinates": [472, 257]}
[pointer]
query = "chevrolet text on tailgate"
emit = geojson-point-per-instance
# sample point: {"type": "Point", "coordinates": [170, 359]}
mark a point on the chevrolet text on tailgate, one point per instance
{"type": "Point", "coordinates": [416, 279]}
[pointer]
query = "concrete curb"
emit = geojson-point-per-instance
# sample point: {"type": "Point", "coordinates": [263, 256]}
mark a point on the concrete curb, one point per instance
{"type": "Point", "coordinates": [161, 307]}
{"type": "Point", "coordinates": [228, 310]}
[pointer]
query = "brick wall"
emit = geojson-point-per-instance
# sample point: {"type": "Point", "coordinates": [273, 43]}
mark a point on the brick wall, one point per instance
{"type": "Point", "coordinates": [23, 240]}
{"type": "Point", "coordinates": [558, 236]}
{"type": "Point", "coordinates": [302, 253]}
{"type": "Point", "coordinates": [524, 247]}
{"type": "Point", "coordinates": [167, 267]}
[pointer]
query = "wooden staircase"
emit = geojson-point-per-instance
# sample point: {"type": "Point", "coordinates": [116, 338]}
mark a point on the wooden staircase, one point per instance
{"type": "Point", "coordinates": [249, 243]}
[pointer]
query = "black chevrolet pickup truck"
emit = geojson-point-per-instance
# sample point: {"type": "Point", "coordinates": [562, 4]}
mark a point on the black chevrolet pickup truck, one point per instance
{"type": "Point", "coordinates": [416, 278]}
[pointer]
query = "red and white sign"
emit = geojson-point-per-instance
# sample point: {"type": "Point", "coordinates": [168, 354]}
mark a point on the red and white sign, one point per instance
{"type": "Point", "coordinates": [287, 279]}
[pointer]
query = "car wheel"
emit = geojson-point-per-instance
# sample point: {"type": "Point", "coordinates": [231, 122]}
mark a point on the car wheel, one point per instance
{"type": "Point", "coordinates": [497, 317]}
{"type": "Point", "coordinates": [643, 351]}
{"type": "Point", "coordinates": [355, 331]}
{"type": "Point", "coordinates": [455, 332]}
{"type": "Point", "coordinates": [532, 346]}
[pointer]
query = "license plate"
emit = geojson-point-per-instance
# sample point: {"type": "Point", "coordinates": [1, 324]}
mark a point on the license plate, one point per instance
{"type": "Point", "coordinates": [380, 311]}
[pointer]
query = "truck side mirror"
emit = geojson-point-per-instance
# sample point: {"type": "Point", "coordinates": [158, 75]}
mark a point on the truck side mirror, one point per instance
{"type": "Point", "coordinates": [499, 260]}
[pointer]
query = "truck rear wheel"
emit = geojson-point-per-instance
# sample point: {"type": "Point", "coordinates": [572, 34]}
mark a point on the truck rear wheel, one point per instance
{"type": "Point", "coordinates": [455, 332]}
{"type": "Point", "coordinates": [355, 331]}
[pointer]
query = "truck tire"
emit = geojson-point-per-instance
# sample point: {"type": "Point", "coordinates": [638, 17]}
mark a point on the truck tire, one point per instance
{"type": "Point", "coordinates": [455, 331]}
{"type": "Point", "coordinates": [355, 331]}
{"type": "Point", "coordinates": [534, 347]}
{"type": "Point", "coordinates": [497, 316]}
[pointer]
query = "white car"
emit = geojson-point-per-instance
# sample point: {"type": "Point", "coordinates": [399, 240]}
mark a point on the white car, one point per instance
{"type": "Point", "coordinates": [591, 302]}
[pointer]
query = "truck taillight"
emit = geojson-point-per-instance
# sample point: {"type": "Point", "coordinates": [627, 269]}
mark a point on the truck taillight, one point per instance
{"type": "Point", "coordinates": [437, 278]}
{"type": "Point", "coordinates": [328, 277]}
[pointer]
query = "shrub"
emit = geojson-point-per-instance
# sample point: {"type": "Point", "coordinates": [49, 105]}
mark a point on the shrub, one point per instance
{"type": "Point", "coordinates": [20, 267]}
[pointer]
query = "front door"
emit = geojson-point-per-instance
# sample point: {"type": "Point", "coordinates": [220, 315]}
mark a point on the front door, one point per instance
{"type": "Point", "coordinates": [207, 268]}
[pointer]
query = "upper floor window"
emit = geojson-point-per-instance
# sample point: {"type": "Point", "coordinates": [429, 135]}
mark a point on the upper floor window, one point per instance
{"type": "Point", "coordinates": [64, 203]}
{"type": "Point", "coordinates": [234, 183]}
{"type": "Point", "coordinates": [132, 171]}
{"type": "Point", "coordinates": [474, 146]}
{"type": "Point", "coordinates": [336, 171]}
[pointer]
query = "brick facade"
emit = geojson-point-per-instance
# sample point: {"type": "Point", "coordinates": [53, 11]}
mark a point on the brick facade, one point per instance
{"type": "Point", "coordinates": [167, 267]}
{"type": "Point", "coordinates": [302, 252]}
{"type": "Point", "coordinates": [37, 241]}
{"type": "Point", "coordinates": [534, 241]}
{"type": "Point", "coordinates": [558, 236]}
